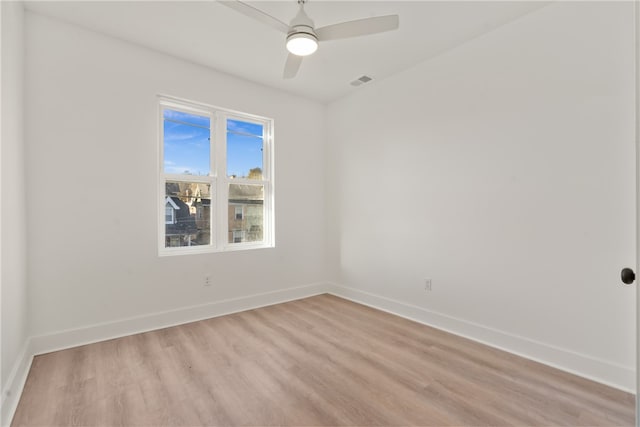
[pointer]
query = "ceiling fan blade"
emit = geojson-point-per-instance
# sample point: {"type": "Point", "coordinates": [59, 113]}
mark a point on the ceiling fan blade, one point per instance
{"type": "Point", "coordinates": [257, 14]}
{"type": "Point", "coordinates": [360, 27]}
{"type": "Point", "coordinates": [292, 66]}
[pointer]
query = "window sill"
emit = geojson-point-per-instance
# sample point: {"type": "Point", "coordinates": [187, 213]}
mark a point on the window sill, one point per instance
{"type": "Point", "coordinates": [185, 250]}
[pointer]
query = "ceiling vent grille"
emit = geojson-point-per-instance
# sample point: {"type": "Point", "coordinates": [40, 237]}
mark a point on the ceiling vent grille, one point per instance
{"type": "Point", "coordinates": [361, 80]}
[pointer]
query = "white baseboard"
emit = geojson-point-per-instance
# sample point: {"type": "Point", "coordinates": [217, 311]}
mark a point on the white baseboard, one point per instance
{"type": "Point", "coordinates": [611, 374]}
{"type": "Point", "coordinates": [149, 322]}
{"type": "Point", "coordinates": [15, 383]}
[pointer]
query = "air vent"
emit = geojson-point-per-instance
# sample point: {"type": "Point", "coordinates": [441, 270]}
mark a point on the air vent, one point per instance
{"type": "Point", "coordinates": [361, 80]}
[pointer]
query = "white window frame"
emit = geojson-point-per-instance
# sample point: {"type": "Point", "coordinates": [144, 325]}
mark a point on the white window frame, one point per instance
{"type": "Point", "coordinates": [217, 178]}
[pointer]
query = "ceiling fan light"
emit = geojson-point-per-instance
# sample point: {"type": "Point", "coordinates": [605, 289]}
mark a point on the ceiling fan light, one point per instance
{"type": "Point", "coordinates": [302, 44]}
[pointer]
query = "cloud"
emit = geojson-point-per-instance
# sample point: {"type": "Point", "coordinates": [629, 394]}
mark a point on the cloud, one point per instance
{"type": "Point", "coordinates": [244, 127]}
{"type": "Point", "coordinates": [187, 118]}
{"type": "Point", "coordinates": [180, 135]}
{"type": "Point", "coordinates": [180, 170]}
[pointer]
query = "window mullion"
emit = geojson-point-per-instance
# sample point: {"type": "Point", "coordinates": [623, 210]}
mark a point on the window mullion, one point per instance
{"type": "Point", "coordinates": [222, 221]}
{"type": "Point", "coordinates": [214, 177]}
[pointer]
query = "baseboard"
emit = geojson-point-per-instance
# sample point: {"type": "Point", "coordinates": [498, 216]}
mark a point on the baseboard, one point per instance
{"type": "Point", "coordinates": [620, 377]}
{"type": "Point", "coordinates": [14, 384]}
{"type": "Point", "coordinates": [149, 322]}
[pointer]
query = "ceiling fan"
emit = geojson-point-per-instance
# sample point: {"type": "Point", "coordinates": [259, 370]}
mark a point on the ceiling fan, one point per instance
{"type": "Point", "coordinates": [303, 37]}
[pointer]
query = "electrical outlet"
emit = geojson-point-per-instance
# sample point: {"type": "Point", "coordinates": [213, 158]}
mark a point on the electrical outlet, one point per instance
{"type": "Point", "coordinates": [207, 280]}
{"type": "Point", "coordinates": [427, 284]}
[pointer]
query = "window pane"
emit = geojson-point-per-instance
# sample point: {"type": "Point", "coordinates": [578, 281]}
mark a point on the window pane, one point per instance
{"type": "Point", "coordinates": [246, 213]}
{"type": "Point", "coordinates": [186, 143]}
{"type": "Point", "coordinates": [244, 149]}
{"type": "Point", "coordinates": [187, 214]}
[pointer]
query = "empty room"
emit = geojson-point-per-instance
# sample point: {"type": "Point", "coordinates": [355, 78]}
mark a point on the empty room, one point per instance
{"type": "Point", "coordinates": [318, 213]}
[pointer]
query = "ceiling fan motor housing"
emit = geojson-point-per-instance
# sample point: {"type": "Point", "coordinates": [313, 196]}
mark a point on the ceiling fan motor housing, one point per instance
{"type": "Point", "coordinates": [302, 30]}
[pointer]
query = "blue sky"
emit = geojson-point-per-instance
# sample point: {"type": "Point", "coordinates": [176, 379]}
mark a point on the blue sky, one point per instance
{"type": "Point", "coordinates": [186, 145]}
{"type": "Point", "coordinates": [244, 147]}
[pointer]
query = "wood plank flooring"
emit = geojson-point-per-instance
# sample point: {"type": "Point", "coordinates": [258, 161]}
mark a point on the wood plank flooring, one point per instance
{"type": "Point", "coordinates": [320, 361]}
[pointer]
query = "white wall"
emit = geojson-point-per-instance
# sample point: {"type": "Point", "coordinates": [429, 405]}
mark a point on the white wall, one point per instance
{"type": "Point", "coordinates": [91, 132]}
{"type": "Point", "coordinates": [504, 171]}
{"type": "Point", "coordinates": [13, 222]}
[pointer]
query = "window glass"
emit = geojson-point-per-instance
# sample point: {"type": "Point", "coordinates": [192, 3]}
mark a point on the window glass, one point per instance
{"type": "Point", "coordinates": [244, 150]}
{"type": "Point", "coordinates": [188, 205]}
{"type": "Point", "coordinates": [186, 143]}
{"type": "Point", "coordinates": [249, 225]}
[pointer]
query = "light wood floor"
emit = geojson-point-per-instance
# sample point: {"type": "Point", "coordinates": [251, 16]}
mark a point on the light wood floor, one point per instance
{"type": "Point", "coordinates": [317, 361]}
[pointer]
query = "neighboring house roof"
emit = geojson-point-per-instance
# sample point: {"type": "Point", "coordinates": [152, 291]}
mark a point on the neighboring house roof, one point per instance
{"type": "Point", "coordinates": [192, 190]}
{"type": "Point", "coordinates": [246, 194]}
{"type": "Point", "coordinates": [172, 203]}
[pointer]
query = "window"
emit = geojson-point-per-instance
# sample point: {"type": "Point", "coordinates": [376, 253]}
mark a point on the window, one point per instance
{"type": "Point", "coordinates": [169, 215]}
{"type": "Point", "coordinates": [238, 212]}
{"type": "Point", "coordinates": [216, 189]}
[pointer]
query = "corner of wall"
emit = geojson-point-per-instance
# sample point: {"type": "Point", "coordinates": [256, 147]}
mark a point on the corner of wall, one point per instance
{"type": "Point", "coordinates": [15, 382]}
{"type": "Point", "coordinates": [14, 343]}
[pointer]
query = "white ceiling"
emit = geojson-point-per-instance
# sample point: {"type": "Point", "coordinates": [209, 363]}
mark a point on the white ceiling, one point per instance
{"type": "Point", "coordinates": [213, 35]}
